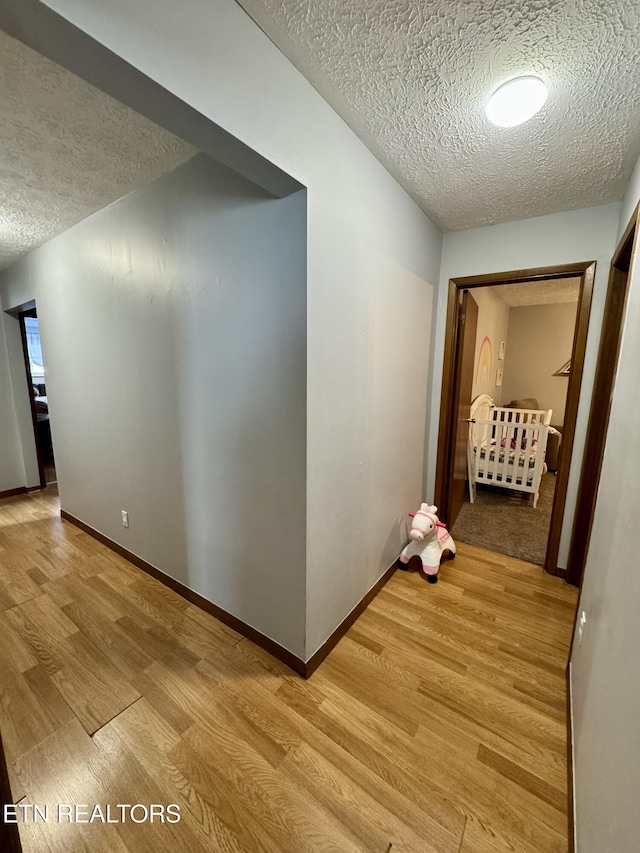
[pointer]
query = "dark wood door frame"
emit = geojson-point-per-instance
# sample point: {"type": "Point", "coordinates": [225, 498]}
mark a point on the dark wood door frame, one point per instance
{"type": "Point", "coordinates": [608, 352]}
{"type": "Point", "coordinates": [36, 432]}
{"type": "Point", "coordinates": [462, 388]}
{"type": "Point", "coordinates": [585, 271]}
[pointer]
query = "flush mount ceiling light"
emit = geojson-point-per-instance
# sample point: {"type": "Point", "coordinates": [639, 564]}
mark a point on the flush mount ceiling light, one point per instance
{"type": "Point", "coordinates": [516, 101]}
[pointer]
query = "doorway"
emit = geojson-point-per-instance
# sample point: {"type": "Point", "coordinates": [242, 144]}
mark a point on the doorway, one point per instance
{"type": "Point", "coordinates": [39, 401]}
{"type": "Point", "coordinates": [518, 370]}
{"type": "Point", "coordinates": [454, 414]}
{"type": "Point", "coordinates": [608, 352]}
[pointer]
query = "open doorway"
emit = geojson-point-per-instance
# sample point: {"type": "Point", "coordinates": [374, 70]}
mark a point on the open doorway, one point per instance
{"type": "Point", "coordinates": [36, 379]}
{"type": "Point", "coordinates": [457, 391]}
{"type": "Point", "coordinates": [603, 385]}
{"type": "Point", "coordinates": [518, 369]}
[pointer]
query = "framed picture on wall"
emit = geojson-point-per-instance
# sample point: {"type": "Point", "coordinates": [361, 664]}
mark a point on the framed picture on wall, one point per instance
{"type": "Point", "coordinates": [499, 376]}
{"type": "Point", "coordinates": [501, 349]}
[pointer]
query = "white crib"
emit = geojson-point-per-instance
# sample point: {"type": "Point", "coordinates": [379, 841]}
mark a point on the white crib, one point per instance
{"type": "Point", "coordinates": [507, 447]}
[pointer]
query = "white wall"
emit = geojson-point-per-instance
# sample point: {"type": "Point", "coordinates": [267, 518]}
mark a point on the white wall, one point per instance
{"type": "Point", "coordinates": [373, 259]}
{"type": "Point", "coordinates": [560, 238]}
{"type": "Point", "coordinates": [542, 338]}
{"type": "Point", "coordinates": [604, 669]}
{"type": "Point", "coordinates": [173, 327]}
{"type": "Point", "coordinates": [493, 323]}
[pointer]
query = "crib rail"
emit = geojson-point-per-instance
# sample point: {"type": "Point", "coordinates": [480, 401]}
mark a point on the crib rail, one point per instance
{"type": "Point", "coordinates": [521, 416]}
{"type": "Point", "coordinates": [509, 451]}
{"type": "Point", "coordinates": [506, 416]}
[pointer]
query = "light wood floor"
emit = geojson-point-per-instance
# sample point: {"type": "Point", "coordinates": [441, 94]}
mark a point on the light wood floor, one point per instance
{"type": "Point", "coordinates": [437, 723]}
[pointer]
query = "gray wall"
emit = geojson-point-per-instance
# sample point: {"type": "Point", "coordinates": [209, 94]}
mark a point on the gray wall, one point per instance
{"type": "Point", "coordinates": [373, 261]}
{"type": "Point", "coordinates": [174, 332]}
{"type": "Point", "coordinates": [604, 669]}
{"type": "Point", "coordinates": [542, 338]}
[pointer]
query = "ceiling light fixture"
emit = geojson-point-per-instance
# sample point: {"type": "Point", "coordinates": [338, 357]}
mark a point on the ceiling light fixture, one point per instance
{"type": "Point", "coordinates": [516, 101]}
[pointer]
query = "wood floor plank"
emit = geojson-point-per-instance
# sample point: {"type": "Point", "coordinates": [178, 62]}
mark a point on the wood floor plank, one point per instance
{"type": "Point", "coordinates": [40, 616]}
{"type": "Point", "coordinates": [359, 740]}
{"type": "Point", "coordinates": [64, 768]}
{"type": "Point", "coordinates": [141, 732]}
{"type": "Point", "coordinates": [516, 773]}
{"type": "Point", "coordinates": [370, 823]}
{"type": "Point", "coordinates": [133, 776]}
{"type": "Point", "coordinates": [121, 650]}
{"type": "Point", "coordinates": [14, 647]}
{"type": "Point", "coordinates": [25, 720]}
{"type": "Point", "coordinates": [482, 837]}
{"type": "Point", "coordinates": [84, 676]}
{"type": "Point", "coordinates": [215, 791]}
{"type": "Point", "coordinates": [303, 825]}
{"type": "Point", "coordinates": [206, 691]}
{"type": "Point", "coordinates": [436, 725]}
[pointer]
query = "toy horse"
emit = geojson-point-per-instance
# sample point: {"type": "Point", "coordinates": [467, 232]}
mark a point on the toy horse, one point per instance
{"type": "Point", "coordinates": [429, 540]}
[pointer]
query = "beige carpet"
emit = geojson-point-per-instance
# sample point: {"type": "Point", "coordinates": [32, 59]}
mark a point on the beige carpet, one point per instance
{"type": "Point", "coordinates": [506, 522]}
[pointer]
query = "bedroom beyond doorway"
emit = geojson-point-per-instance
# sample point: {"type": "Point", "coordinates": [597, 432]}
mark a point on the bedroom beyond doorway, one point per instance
{"type": "Point", "coordinates": [506, 522]}
{"type": "Point", "coordinates": [522, 351]}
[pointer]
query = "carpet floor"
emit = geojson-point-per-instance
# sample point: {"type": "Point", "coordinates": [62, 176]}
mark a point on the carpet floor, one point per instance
{"type": "Point", "coordinates": [506, 522]}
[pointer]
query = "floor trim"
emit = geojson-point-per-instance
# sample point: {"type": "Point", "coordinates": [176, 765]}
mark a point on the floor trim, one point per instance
{"type": "Point", "coordinates": [284, 655]}
{"type": "Point", "coordinates": [315, 660]}
{"type": "Point", "coordinates": [571, 834]}
{"type": "Point", "coordinates": [260, 639]}
{"type": "Point", "coordinates": [10, 493]}
{"type": "Point", "coordinates": [20, 490]}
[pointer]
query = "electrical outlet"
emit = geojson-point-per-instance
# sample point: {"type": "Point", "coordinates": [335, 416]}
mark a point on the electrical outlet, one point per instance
{"type": "Point", "coordinates": [582, 621]}
{"type": "Point", "coordinates": [125, 518]}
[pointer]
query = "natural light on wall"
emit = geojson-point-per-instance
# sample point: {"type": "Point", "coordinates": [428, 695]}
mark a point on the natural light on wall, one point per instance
{"type": "Point", "coordinates": [516, 101]}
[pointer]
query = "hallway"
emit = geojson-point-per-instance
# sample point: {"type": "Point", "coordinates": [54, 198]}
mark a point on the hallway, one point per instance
{"type": "Point", "coordinates": [437, 724]}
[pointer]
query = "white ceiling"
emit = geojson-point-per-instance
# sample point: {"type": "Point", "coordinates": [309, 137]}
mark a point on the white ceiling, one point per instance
{"type": "Point", "coordinates": [548, 292]}
{"type": "Point", "coordinates": [411, 77]}
{"type": "Point", "coordinates": [66, 150]}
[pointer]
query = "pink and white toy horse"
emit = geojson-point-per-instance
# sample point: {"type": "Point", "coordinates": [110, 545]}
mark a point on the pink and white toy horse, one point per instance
{"type": "Point", "coordinates": [429, 539]}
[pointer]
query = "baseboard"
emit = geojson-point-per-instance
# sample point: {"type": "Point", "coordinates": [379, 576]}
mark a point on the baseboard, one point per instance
{"type": "Point", "coordinates": [314, 662]}
{"type": "Point", "coordinates": [21, 490]}
{"type": "Point", "coordinates": [269, 645]}
{"type": "Point", "coordinates": [10, 493]}
{"type": "Point", "coordinates": [284, 655]}
{"type": "Point", "coordinates": [571, 833]}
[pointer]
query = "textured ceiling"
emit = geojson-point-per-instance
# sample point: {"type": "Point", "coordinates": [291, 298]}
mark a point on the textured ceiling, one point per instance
{"type": "Point", "coordinates": [411, 77]}
{"type": "Point", "coordinates": [66, 150]}
{"type": "Point", "coordinates": [548, 292]}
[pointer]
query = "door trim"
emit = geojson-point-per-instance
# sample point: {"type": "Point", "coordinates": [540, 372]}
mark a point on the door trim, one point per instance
{"type": "Point", "coordinates": [603, 385]}
{"type": "Point", "coordinates": [34, 417]}
{"type": "Point", "coordinates": [586, 272]}
{"type": "Point", "coordinates": [465, 299]}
